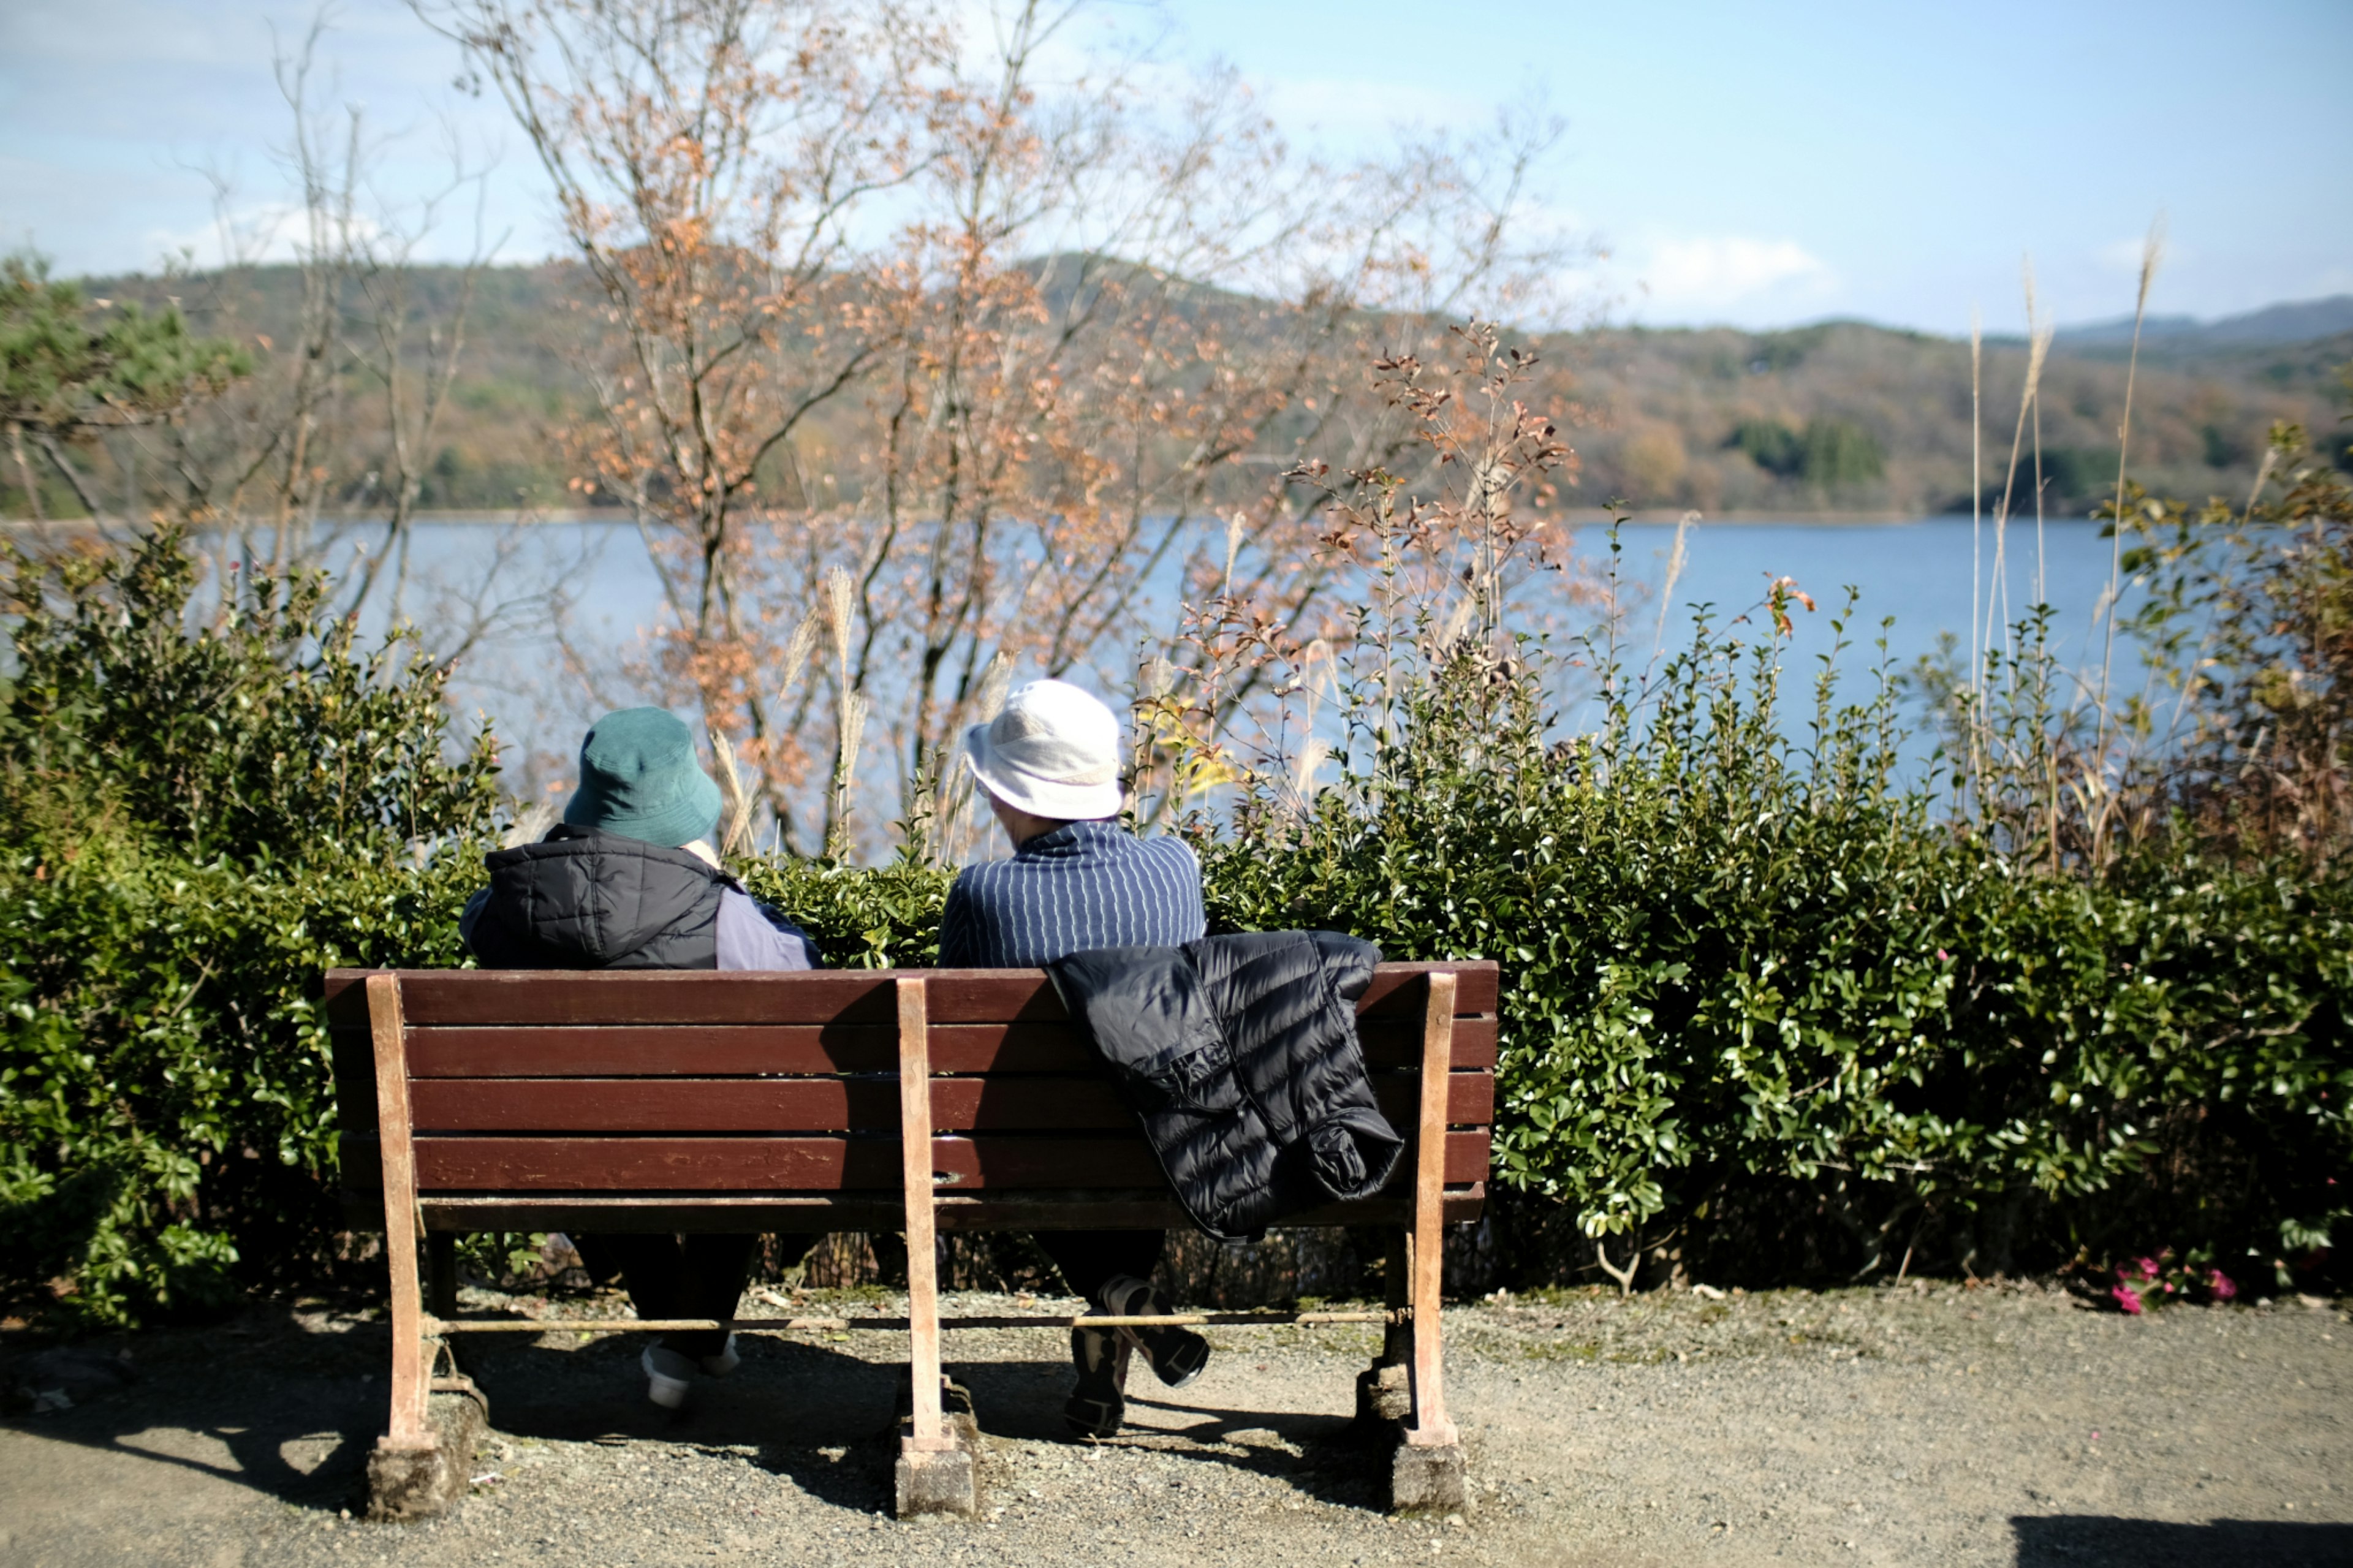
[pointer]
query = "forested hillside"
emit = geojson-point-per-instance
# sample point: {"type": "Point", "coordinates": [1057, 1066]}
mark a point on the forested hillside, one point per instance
{"type": "Point", "coordinates": [1837, 417]}
{"type": "Point", "coordinates": [1848, 417]}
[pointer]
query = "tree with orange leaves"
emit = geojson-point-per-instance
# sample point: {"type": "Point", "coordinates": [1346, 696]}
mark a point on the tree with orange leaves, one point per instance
{"type": "Point", "coordinates": [1005, 356]}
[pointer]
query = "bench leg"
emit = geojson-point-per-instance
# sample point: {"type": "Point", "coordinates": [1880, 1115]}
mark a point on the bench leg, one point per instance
{"type": "Point", "coordinates": [1428, 1473]}
{"type": "Point", "coordinates": [937, 1470]}
{"type": "Point", "coordinates": [419, 1466]}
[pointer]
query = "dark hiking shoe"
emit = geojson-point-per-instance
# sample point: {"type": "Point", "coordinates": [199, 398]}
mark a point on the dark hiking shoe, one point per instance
{"type": "Point", "coordinates": [1099, 1404]}
{"type": "Point", "coordinates": [1177, 1355]}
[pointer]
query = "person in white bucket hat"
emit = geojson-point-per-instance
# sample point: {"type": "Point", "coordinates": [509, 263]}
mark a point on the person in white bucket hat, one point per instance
{"type": "Point", "coordinates": [1051, 753]}
{"type": "Point", "coordinates": [1077, 880]}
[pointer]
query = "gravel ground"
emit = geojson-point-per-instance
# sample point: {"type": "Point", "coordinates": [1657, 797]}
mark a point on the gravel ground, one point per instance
{"type": "Point", "coordinates": [1916, 1424]}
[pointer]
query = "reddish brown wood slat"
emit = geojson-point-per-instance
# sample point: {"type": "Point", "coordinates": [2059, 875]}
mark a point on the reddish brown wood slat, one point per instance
{"type": "Point", "coordinates": [721, 1050]}
{"type": "Point", "coordinates": [829, 1105]}
{"type": "Point", "coordinates": [462, 1164]}
{"type": "Point", "coordinates": [551, 1057]}
{"type": "Point", "coordinates": [434, 998]}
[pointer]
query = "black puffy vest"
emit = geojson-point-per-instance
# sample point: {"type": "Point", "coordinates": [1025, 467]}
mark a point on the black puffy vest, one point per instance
{"type": "Point", "coordinates": [1239, 1055]}
{"type": "Point", "coordinates": [583, 899]}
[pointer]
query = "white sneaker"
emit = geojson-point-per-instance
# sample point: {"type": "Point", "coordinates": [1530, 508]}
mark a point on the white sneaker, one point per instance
{"type": "Point", "coordinates": [666, 1375]}
{"type": "Point", "coordinates": [725, 1361]}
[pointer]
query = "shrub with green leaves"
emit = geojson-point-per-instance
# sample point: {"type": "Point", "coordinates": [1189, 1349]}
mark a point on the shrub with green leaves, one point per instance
{"type": "Point", "coordinates": [206, 808]}
{"type": "Point", "coordinates": [1757, 994]}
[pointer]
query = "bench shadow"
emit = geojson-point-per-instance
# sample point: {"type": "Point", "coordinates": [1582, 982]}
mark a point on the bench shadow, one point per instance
{"type": "Point", "coordinates": [2096, 1541]}
{"type": "Point", "coordinates": [820, 1418]}
{"type": "Point", "coordinates": [1336, 1462]}
{"type": "Point", "coordinates": [255, 1387]}
{"type": "Point", "coordinates": [263, 1396]}
{"type": "Point", "coordinates": [266, 1386]}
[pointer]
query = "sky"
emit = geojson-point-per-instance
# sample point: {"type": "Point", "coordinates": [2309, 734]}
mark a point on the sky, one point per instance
{"type": "Point", "coordinates": [1755, 165]}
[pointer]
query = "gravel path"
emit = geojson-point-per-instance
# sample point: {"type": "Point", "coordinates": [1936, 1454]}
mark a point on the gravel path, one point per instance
{"type": "Point", "coordinates": [1903, 1426]}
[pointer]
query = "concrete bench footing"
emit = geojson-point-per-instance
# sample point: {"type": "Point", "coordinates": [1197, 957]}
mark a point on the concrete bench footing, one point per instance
{"type": "Point", "coordinates": [944, 1481]}
{"type": "Point", "coordinates": [948, 1482]}
{"type": "Point", "coordinates": [1428, 1481]}
{"type": "Point", "coordinates": [408, 1484]}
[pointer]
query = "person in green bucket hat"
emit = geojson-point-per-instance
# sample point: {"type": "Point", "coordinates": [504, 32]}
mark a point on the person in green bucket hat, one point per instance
{"type": "Point", "coordinates": [631, 879]}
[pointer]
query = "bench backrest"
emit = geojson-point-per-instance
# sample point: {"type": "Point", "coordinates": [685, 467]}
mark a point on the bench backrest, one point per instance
{"type": "Point", "coordinates": [654, 1084]}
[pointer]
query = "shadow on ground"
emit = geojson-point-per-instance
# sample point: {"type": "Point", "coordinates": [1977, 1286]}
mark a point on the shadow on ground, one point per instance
{"type": "Point", "coordinates": [2094, 1540]}
{"type": "Point", "coordinates": [258, 1402]}
{"type": "Point", "coordinates": [291, 1411]}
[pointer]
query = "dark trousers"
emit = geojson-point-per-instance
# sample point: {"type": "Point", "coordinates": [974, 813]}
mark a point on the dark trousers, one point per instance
{"type": "Point", "coordinates": [1090, 1258]}
{"type": "Point", "coordinates": [681, 1277]}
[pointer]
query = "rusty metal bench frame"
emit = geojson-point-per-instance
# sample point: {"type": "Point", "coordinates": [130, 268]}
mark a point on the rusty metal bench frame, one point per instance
{"type": "Point", "coordinates": [573, 1036]}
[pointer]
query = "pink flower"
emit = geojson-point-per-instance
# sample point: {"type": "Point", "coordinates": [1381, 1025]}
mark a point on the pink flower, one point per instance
{"type": "Point", "coordinates": [2218, 1285]}
{"type": "Point", "coordinates": [1943, 954]}
{"type": "Point", "coordinates": [2148, 1267]}
{"type": "Point", "coordinates": [2127, 1299]}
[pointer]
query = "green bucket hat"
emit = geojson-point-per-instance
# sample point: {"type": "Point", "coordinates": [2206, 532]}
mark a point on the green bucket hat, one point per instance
{"type": "Point", "coordinates": [638, 778]}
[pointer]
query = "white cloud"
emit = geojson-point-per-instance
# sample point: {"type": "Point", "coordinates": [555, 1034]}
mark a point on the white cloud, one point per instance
{"type": "Point", "coordinates": [1722, 271]}
{"type": "Point", "coordinates": [251, 233]}
{"type": "Point", "coordinates": [2123, 255]}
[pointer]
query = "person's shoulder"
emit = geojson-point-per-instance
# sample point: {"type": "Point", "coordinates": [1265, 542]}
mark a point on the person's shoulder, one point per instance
{"type": "Point", "coordinates": [982, 883]}
{"type": "Point", "coordinates": [977, 876]}
{"type": "Point", "coordinates": [1169, 847]}
{"type": "Point", "coordinates": [751, 935]}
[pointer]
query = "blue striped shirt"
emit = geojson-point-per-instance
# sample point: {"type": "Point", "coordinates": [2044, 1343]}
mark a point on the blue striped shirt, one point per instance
{"type": "Point", "coordinates": [1084, 885]}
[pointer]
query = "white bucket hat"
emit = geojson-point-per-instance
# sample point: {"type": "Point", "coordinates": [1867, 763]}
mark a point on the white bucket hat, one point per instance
{"type": "Point", "coordinates": [1053, 752]}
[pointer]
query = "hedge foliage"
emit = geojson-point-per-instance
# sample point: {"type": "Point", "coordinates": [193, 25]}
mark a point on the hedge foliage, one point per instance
{"type": "Point", "coordinates": [206, 804]}
{"type": "Point", "coordinates": [1756, 993]}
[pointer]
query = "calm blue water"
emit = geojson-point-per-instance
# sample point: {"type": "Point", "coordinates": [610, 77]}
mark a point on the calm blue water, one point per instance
{"type": "Point", "coordinates": [1918, 573]}
{"type": "Point", "coordinates": [592, 584]}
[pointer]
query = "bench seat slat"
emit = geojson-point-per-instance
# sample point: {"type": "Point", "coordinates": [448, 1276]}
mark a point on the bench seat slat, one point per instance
{"type": "Point", "coordinates": [815, 1164]}
{"type": "Point", "coordinates": [435, 998]}
{"type": "Point", "coordinates": [829, 1105]}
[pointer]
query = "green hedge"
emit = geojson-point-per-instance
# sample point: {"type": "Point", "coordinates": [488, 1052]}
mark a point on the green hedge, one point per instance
{"type": "Point", "coordinates": [167, 1107]}
{"type": "Point", "coordinates": [167, 1118]}
{"type": "Point", "coordinates": [1748, 1021]}
{"type": "Point", "coordinates": [1756, 997]}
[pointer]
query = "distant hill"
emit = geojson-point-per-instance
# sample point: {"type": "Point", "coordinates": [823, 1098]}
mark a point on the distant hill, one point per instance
{"type": "Point", "coordinates": [2273, 325]}
{"type": "Point", "coordinates": [1848, 417]}
{"type": "Point", "coordinates": [1839, 418]}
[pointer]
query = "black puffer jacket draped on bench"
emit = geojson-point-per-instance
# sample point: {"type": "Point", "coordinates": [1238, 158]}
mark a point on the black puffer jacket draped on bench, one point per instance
{"type": "Point", "coordinates": [1239, 1055]}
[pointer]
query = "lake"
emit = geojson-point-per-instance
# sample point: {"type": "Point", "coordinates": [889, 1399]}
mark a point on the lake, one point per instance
{"type": "Point", "coordinates": [540, 692]}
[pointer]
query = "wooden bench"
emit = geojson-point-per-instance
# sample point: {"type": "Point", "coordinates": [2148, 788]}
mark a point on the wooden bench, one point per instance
{"type": "Point", "coordinates": [689, 1100]}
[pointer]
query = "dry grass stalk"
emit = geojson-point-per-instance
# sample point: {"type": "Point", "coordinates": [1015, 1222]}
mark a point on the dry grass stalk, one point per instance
{"type": "Point", "coordinates": [1674, 571]}
{"type": "Point", "coordinates": [959, 828]}
{"type": "Point", "coordinates": [529, 824]}
{"type": "Point", "coordinates": [2152, 251]}
{"type": "Point", "coordinates": [794, 657]}
{"type": "Point", "coordinates": [735, 801]}
{"type": "Point", "coordinates": [1977, 509]}
{"type": "Point", "coordinates": [2039, 335]}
